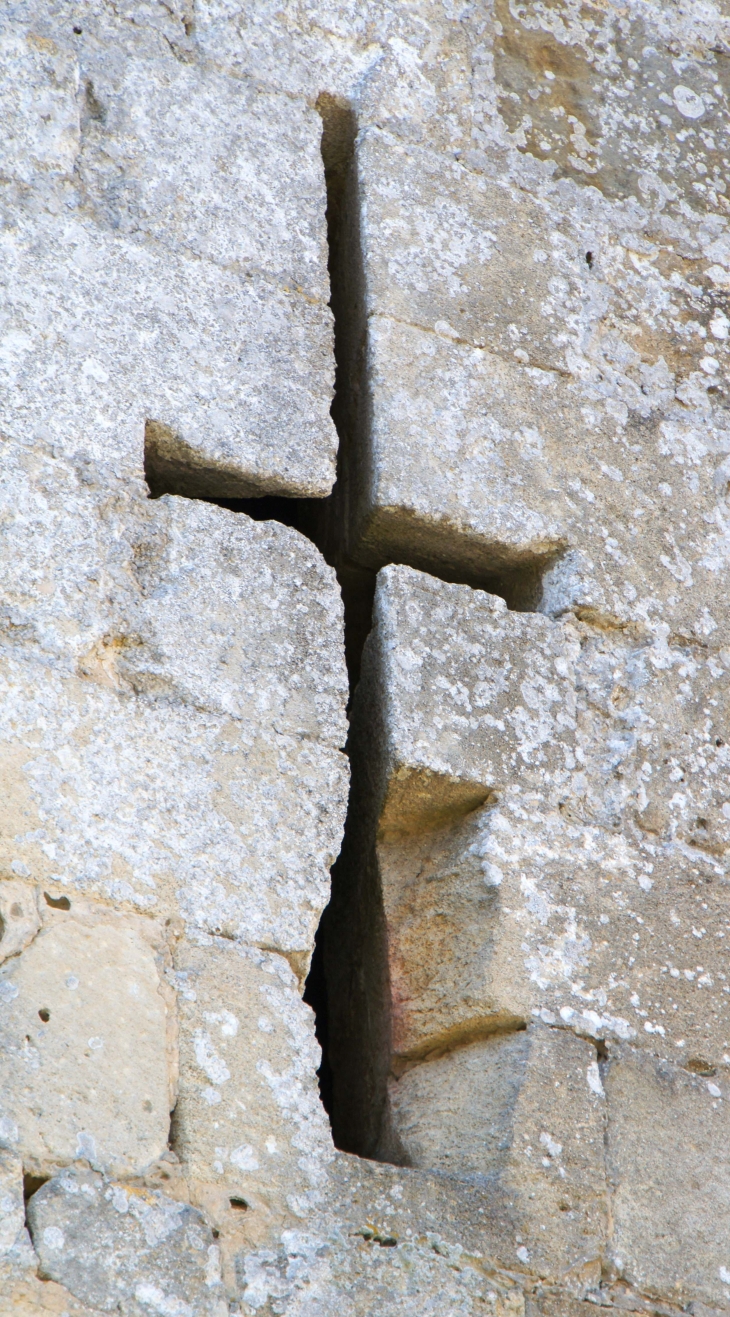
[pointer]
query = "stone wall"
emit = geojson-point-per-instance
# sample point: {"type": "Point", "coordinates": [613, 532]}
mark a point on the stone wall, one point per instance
{"type": "Point", "coordinates": [363, 393]}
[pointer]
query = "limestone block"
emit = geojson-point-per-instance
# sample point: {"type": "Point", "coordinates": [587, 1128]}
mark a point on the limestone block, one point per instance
{"type": "Point", "coordinates": [227, 343]}
{"type": "Point", "coordinates": [19, 917]}
{"type": "Point", "coordinates": [462, 467]}
{"type": "Point", "coordinates": [117, 1246]}
{"type": "Point", "coordinates": [586, 122]}
{"type": "Point", "coordinates": [39, 104]}
{"type": "Point", "coordinates": [167, 771]}
{"type": "Point", "coordinates": [542, 834]}
{"type": "Point", "coordinates": [249, 1118]}
{"type": "Point", "coordinates": [521, 1114]}
{"type": "Point", "coordinates": [88, 1059]}
{"type": "Point", "coordinates": [465, 696]}
{"type": "Point", "coordinates": [448, 248]}
{"type": "Point", "coordinates": [239, 369]}
{"type": "Point", "coordinates": [182, 182]}
{"type": "Point", "coordinates": [408, 68]}
{"type": "Point", "coordinates": [667, 1155]}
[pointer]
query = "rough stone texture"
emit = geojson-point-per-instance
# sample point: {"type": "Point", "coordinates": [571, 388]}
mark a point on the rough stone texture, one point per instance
{"type": "Point", "coordinates": [521, 1115]}
{"type": "Point", "coordinates": [142, 751]}
{"type": "Point", "coordinates": [19, 916]}
{"type": "Point", "coordinates": [12, 1210]}
{"type": "Point", "coordinates": [591, 892]}
{"type": "Point", "coordinates": [249, 1118]}
{"type": "Point", "coordinates": [667, 1127]}
{"type": "Point", "coordinates": [88, 1034]}
{"type": "Point", "coordinates": [541, 835]}
{"type": "Point", "coordinates": [137, 291]}
{"type": "Point", "coordinates": [506, 307]}
{"type": "Point", "coordinates": [528, 242]}
{"type": "Point", "coordinates": [122, 1247]}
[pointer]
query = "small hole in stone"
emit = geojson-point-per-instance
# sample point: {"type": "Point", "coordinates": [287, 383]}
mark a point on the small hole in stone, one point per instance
{"type": "Point", "coordinates": [57, 902]}
{"type": "Point", "coordinates": [564, 1207]}
{"type": "Point", "coordinates": [78, 31]}
{"type": "Point", "coordinates": [697, 1066]}
{"type": "Point", "coordinates": [239, 1203]}
{"type": "Point", "coordinates": [16, 910]}
{"type": "Point", "coordinates": [45, 1014]}
{"type": "Point", "coordinates": [216, 1233]}
{"type": "Point", "coordinates": [719, 741]}
{"type": "Point", "coordinates": [589, 260]}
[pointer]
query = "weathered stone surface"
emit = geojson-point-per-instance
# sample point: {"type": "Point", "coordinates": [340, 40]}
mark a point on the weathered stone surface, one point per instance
{"type": "Point", "coordinates": [19, 918]}
{"type": "Point", "coordinates": [667, 1154]}
{"type": "Point", "coordinates": [27, 1296]}
{"type": "Point", "coordinates": [144, 667]}
{"type": "Point", "coordinates": [88, 1057]}
{"type": "Point", "coordinates": [499, 492]}
{"type": "Point", "coordinates": [138, 291]}
{"type": "Point", "coordinates": [249, 1118]}
{"type": "Point", "coordinates": [12, 1207]}
{"type": "Point", "coordinates": [523, 1115]}
{"type": "Point", "coordinates": [126, 1248]}
{"type": "Point", "coordinates": [530, 272]}
{"type": "Point", "coordinates": [506, 306]}
{"type": "Point", "coordinates": [589, 888]}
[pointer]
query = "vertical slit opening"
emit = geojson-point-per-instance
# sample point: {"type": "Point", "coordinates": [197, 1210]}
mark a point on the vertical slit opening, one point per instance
{"type": "Point", "coordinates": [360, 970]}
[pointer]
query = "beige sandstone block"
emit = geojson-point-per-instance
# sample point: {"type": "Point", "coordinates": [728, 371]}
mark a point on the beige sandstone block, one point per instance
{"type": "Point", "coordinates": [595, 895]}
{"type": "Point", "coordinates": [522, 1115]}
{"type": "Point", "coordinates": [88, 1058]}
{"type": "Point", "coordinates": [483, 469]}
{"type": "Point", "coordinates": [27, 1296]}
{"type": "Point", "coordinates": [249, 1119]}
{"type": "Point", "coordinates": [462, 697]}
{"type": "Point", "coordinates": [667, 1157]}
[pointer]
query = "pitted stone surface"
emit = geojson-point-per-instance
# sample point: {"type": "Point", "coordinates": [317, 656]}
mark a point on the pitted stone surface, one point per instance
{"type": "Point", "coordinates": [591, 891]}
{"type": "Point", "coordinates": [136, 701]}
{"type": "Point", "coordinates": [125, 1248]}
{"type": "Point", "coordinates": [19, 917]}
{"type": "Point", "coordinates": [137, 291]}
{"type": "Point", "coordinates": [88, 1055]}
{"type": "Point", "coordinates": [249, 1116]}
